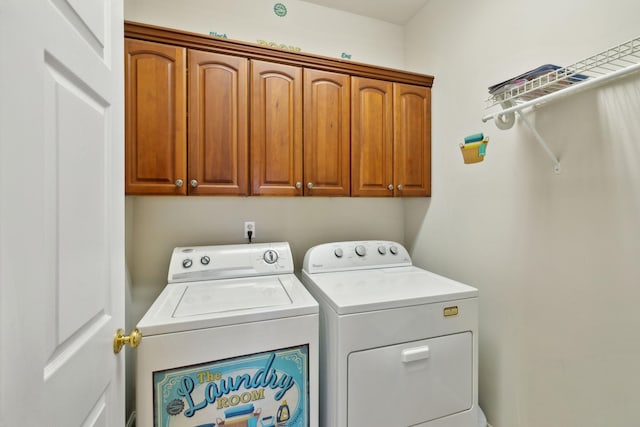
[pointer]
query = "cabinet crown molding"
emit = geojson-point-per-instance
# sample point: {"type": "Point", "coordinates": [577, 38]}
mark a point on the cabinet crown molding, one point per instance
{"type": "Point", "coordinates": [136, 30]}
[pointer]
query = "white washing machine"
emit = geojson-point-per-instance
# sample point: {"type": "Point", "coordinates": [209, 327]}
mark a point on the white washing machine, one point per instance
{"type": "Point", "coordinates": [398, 344]}
{"type": "Point", "coordinates": [231, 341]}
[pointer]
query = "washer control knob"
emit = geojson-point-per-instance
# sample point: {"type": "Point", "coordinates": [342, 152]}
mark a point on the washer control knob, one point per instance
{"type": "Point", "coordinates": [393, 250]}
{"type": "Point", "coordinates": [205, 260]}
{"type": "Point", "coordinates": [382, 250]}
{"type": "Point", "coordinates": [361, 250]}
{"type": "Point", "coordinates": [338, 253]}
{"type": "Point", "coordinates": [270, 256]}
{"type": "Point", "coordinates": [187, 262]}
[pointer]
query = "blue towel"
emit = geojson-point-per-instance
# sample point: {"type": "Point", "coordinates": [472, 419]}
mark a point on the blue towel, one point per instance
{"type": "Point", "coordinates": [474, 138]}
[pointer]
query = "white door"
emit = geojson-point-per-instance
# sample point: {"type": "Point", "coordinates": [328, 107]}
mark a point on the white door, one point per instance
{"type": "Point", "coordinates": [61, 213]}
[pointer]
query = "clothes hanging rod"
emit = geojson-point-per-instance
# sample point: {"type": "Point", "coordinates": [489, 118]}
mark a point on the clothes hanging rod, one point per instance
{"type": "Point", "coordinates": [570, 90]}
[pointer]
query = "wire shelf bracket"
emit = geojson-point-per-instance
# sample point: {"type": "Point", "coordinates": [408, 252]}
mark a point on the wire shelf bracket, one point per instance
{"type": "Point", "coordinates": [597, 70]}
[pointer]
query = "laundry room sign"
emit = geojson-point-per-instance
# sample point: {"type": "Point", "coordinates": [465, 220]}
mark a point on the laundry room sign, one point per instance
{"type": "Point", "coordinates": [259, 390]}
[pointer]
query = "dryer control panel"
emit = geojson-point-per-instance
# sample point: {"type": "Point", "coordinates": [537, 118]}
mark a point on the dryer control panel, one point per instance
{"type": "Point", "coordinates": [355, 255]}
{"type": "Point", "coordinates": [196, 263]}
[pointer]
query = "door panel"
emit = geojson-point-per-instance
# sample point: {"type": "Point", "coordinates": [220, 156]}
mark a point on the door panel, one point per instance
{"type": "Point", "coordinates": [327, 163]}
{"type": "Point", "coordinates": [412, 140]}
{"type": "Point", "coordinates": [276, 129]}
{"type": "Point", "coordinates": [79, 181]}
{"type": "Point", "coordinates": [61, 217]}
{"type": "Point", "coordinates": [218, 124]}
{"type": "Point", "coordinates": [371, 137]}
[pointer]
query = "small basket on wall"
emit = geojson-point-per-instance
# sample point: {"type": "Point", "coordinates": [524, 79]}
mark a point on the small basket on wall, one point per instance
{"type": "Point", "coordinates": [474, 149]}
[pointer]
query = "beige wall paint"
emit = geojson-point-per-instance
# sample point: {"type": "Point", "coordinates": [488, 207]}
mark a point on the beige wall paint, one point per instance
{"type": "Point", "coordinates": [158, 224]}
{"type": "Point", "coordinates": [315, 29]}
{"type": "Point", "coordinates": [554, 256]}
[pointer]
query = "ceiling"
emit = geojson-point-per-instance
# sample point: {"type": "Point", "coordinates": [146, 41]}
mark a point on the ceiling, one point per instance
{"type": "Point", "coordinates": [394, 11]}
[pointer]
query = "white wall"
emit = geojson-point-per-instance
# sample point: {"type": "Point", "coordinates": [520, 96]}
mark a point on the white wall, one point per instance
{"type": "Point", "coordinates": [554, 256]}
{"type": "Point", "coordinates": [314, 29]}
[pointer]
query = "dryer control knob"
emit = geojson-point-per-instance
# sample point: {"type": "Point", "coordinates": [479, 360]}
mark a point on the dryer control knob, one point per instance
{"type": "Point", "coordinates": [187, 262]}
{"type": "Point", "coordinates": [382, 250]}
{"type": "Point", "coordinates": [361, 250]}
{"type": "Point", "coordinates": [338, 253]}
{"type": "Point", "coordinates": [393, 250]}
{"type": "Point", "coordinates": [270, 256]}
{"type": "Point", "coordinates": [205, 260]}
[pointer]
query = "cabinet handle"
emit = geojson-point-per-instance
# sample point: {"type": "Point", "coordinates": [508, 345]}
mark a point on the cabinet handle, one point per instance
{"type": "Point", "coordinates": [310, 185]}
{"type": "Point", "coordinates": [194, 183]}
{"type": "Point", "coordinates": [298, 185]}
{"type": "Point", "coordinates": [179, 182]}
{"type": "Point", "coordinates": [400, 187]}
{"type": "Point", "coordinates": [390, 187]}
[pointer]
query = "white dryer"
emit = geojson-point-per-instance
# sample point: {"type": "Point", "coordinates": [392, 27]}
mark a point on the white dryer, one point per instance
{"type": "Point", "coordinates": [232, 341]}
{"type": "Point", "coordinates": [398, 344]}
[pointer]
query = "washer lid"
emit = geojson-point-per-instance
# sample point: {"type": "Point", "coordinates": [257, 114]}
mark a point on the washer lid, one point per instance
{"type": "Point", "coordinates": [196, 305]}
{"type": "Point", "coordinates": [384, 288]}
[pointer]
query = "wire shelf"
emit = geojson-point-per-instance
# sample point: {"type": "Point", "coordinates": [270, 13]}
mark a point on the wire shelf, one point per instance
{"type": "Point", "coordinates": [609, 61]}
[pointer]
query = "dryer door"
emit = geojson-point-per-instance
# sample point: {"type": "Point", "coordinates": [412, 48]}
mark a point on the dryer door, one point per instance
{"type": "Point", "coordinates": [410, 383]}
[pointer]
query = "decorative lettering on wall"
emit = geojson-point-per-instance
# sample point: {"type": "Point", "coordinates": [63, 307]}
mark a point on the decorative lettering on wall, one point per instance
{"type": "Point", "coordinates": [345, 55]}
{"type": "Point", "coordinates": [280, 9]}
{"type": "Point", "coordinates": [215, 34]}
{"type": "Point", "coordinates": [279, 46]}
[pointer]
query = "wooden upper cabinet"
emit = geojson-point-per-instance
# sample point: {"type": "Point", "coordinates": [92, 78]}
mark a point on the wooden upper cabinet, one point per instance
{"type": "Point", "coordinates": [155, 119]}
{"type": "Point", "coordinates": [326, 133]}
{"type": "Point", "coordinates": [276, 129]}
{"type": "Point", "coordinates": [371, 137]}
{"type": "Point", "coordinates": [218, 124]}
{"type": "Point", "coordinates": [412, 140]}
{"type": "Point", "coordinates": [265, 121]}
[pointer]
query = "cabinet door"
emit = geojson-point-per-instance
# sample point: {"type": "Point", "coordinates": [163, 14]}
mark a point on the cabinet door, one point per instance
{"type": "Point", "coordinates": [412, 140]}
{"type": "Point", "coordinates": [371, 137]}
{"type": "Point", "coordinates": [155, 118]}
{"type": "Point", "coordinates": [276, 129]}
{"type": "Point", "coordinates": [218, 124]}
{"type": "Point", "coordinates": [326, 133]}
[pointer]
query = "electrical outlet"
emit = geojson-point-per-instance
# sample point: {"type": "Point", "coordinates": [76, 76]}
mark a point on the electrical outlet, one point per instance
{"type": "Point", "coordinates": [249, 226]}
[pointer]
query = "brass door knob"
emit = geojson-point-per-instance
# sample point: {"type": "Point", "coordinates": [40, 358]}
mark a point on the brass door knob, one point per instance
{"type": "Point", "coordinates": [120, 339]}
